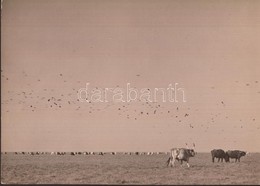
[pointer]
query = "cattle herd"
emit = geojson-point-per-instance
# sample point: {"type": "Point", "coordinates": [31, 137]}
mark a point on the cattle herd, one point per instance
{"type": "Point", "coordinates": [230, 154]}
{"type": "Point", "coordinates": [183, 154]}
{"type": "Point", "coordinates": [179, 154]}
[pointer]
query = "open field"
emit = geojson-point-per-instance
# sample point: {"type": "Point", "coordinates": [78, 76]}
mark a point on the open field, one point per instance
{"type": "Point", "coordinates": [126, 169]}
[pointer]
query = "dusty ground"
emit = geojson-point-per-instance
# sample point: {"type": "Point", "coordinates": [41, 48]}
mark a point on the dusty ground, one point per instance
{"type": "Point", "coordinates": [126, 169]}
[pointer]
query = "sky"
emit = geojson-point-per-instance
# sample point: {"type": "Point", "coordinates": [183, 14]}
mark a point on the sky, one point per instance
{"type": "Point", "coordinates": [51, 49]}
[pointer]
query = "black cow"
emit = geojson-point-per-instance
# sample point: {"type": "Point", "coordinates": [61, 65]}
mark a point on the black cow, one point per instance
{"type": "Point", "coordinates": [235, 154]}
{"type": "Point", "coordinates": [220, 154]}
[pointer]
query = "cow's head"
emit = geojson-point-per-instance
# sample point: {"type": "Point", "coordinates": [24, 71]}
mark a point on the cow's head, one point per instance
{"type": "Point", "coordinates": [226, 157]}
{"type": "Point", "coordinates": [242, 153]}
{"type": "Point", "coordinates": [191, 152]}
{"type": "Point", "coordinates": [194, 148]}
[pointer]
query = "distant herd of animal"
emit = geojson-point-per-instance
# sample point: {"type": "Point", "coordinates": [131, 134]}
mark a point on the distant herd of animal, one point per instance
{"type": "Point", "coordinates": [183, 154]}
{"type": "Point", "coordinates": [87, 153]}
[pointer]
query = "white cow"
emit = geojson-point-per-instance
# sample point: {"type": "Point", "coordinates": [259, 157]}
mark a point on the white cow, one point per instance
{"type": "Point", "coordinates": [181, 154]}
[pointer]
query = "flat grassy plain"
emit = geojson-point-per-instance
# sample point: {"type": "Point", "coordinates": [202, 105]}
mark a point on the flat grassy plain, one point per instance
{"type": "Point", "coordinates": [126, 169]}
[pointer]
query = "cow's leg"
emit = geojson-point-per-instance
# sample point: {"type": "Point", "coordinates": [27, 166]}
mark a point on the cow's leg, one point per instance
{"type": "Point", "coordinates": [172, 162]}
{"type": "Point", "coordinates": [213, 159]}
{"type": "Point", "coordinates": [188, 162]}
{"type": "Point", "coordinates": [221, 159]}
{"type": "Point", "coordinates": [218, 159]}
{"type": "Point", "coordinates": [238, 159]}
{"type": "Point", "coordinates": [181, 162]}
{"type": "Point", "coordinates": [169, 161]}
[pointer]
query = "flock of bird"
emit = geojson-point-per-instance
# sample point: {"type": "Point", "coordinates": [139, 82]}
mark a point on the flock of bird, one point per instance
{"type": "Point", "coordinates": [34, 100]}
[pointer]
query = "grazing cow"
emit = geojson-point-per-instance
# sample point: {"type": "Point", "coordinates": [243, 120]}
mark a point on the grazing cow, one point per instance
{"type": "Point", "coordinates": [113, 153]}
{"type": "Point", "coordinates": [235, 154]}
{"type": "Point", "coordinates": [220, 154]}
{"type": "Point", "coordinates": [181, 154]}
{"type": "Point", "coordinates": [73, 153]}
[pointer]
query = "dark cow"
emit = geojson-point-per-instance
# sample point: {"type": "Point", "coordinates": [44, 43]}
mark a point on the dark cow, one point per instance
{"type": "Point", "coordinates": [235, 154]}
{"type": "Point", "coordinates": [220, 154]}
{"type": "Point", "coordinates": [181, 154]}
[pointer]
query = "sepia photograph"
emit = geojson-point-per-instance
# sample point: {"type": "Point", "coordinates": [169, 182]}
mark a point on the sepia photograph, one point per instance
{"type": "Point", "coordinates": [130, 92]}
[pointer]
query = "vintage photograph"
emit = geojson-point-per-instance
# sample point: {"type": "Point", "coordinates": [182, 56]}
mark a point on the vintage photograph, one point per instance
{"type": "Point", "coordinates": [147, 92]}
